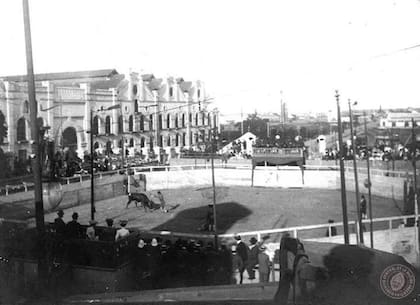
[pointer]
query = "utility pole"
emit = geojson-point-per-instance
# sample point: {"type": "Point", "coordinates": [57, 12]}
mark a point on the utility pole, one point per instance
{"type": "Point", "coordinates": [342, 176]}
{"type": "Point", "coordinates": [369, 185]}
{"type": "Point", "coordinates": [414, 149]}
{"type": "Point", "coordinates": [92, 160]}
{"type": "Point", "coordinates": [356, 181]}
{"type": "Point", "coordinates": [213, 150]}
{"type": "Point", "coordinates": [35, 138]}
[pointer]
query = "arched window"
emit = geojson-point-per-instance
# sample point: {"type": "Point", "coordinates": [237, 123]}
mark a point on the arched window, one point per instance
{"type": "Point", "coordinates": [130, 123]}
{"type": "Point", "coordinates": [141, 122]}
{"type": "Point", "coordinates": [171, 91]}
{"type": "Point", "coordinates": [168, 141]}
{"type": "Point", "coordinates": [209, 119]}
{"type": "Point", "coordinates": [131, 142]}
{"type": "Point", "coordinates": [214, 120]}
{"type": "Point", "coordinates": [95, 125]}
{"type": "Point", "coordinates": [151, 122]}
{"type": "Point", "coordinates": [151, 142]}
{"type": "Point", "coordinates": [196, 119]}
{"type": "Point", "coordinates": [177, 140]}
{"type": "Point", "coordinates": [183, 139]}
{"type": "Point", "coordinates": [176, 120]}
{"type": "Point", "coordinates": [196, 138]}
{"type": "Point", "coordinates": [168, 121]}
{"type": "Point", "coordinates": [190, 118]}
{"type": "Point", "coordinates": [191, 138]}
{"type": "Point", "coordinates": [108, 148]}
{"type": "Point", "coordinates": [142, 142]}
{"type": "Point", "coordinates": [21, 130]}
{"type": "Point", "coordinates": [198, 93]}
{"type": "Point", "coordinates": [25, 107]}
{"type": "Point", "coordinates": [120, 125]}
{"type": "Point", "coordinates": [136, 106]}
{"type": "Point", "coordinates": [134, 90]}
{"type": "Point", "coordinates": [160, 144]}
{"type": "Point", "coordinates": [160, 122]}
{"type": "Point", "coordinates": [108, 125]}
{"type": "Point", "coordinates": [203, 117]}
{"type": "Point", "coordinates": [183, 120]}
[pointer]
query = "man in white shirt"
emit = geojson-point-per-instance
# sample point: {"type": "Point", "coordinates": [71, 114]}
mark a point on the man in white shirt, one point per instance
{"type": "Point", "coordinates": [122, 232]}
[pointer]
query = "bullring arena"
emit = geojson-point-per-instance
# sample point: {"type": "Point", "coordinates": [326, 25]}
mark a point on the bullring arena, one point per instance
{"type": "Point", "coordinates": [282, 199]}
{"type": "Point", "coordinates": [264, 204]}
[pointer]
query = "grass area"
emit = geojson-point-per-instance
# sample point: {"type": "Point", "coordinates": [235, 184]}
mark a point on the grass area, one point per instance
{"type": "Point", "coordinates": [242, 209]}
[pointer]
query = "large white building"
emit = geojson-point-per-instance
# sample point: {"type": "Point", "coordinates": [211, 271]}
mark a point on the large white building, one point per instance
{"type": "Point", "coordinates": [399, 120]}
{"type": "Point", "coordinates": [146, 113]}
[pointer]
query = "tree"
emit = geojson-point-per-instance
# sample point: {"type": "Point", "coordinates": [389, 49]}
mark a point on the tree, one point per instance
{"type": "Point", "coordinates": [3, 127]}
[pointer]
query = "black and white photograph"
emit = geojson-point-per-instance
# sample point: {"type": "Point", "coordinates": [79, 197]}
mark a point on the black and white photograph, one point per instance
{"type": "Point", "coordinates": [209, 152]}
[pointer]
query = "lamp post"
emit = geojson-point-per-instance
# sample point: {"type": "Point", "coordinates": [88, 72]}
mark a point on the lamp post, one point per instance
{"type": "Point", "coordinates": [342, 175]}
{"type": "Point", "coordinates": [356, 181]}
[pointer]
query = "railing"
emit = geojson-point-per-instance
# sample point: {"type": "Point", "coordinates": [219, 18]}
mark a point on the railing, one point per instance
{"type": "Point", "coordinates": [299, 229]}
{"type": "Point", "coordinates": [79, 178]}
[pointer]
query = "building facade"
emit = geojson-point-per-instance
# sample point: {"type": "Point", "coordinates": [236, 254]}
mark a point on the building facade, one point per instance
{"type": "Point", "coordinates": [400, 120]}
{"type": "Point", "coordinates": [144, 114]}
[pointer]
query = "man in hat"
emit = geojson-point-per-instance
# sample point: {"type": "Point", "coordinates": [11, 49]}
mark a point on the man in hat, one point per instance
{"type": "Point", "coordinates": [122, 232]}
{"type": "Point", "coordinates": [73, 227]}
{"type": "Point", "coordinates": [264, 264]}
{"type": "Point", "coordinates": [59, 224]}
{"type": "Point", "coordinates": [242, 250]}
{"type": "Point", "coordinates": [252, 258]}
{"type": "Point", "coordinates": [108, 233]}
{"type": "Point", "coordinates": [91, 230]}
{"type": "Point", "coordinates": [237, 264]}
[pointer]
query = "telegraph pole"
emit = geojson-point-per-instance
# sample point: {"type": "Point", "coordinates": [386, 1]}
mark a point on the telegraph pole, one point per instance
{"type": "Point", "coordinates": [213, 151]}
{"type": "Point", "coordinates": [369, 186]}
{"type": "Point", "coordinates": [92, 160]}
{"type": "Point", "coordinates": [414, 149]}
{"type": "Point", "coordinates": [35, 138]}
{"type": "Point", "coordinates": [342, 176]}
{"type": "Point", "coordinates": [356, 181]}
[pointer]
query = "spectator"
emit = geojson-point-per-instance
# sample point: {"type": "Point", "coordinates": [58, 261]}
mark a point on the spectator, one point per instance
{"type": "Point", "coordinates": [252, 258]}
{"type": "Point", "coordinates": [264, 265]}
{"type": "Point", "coordinates": [333, 229]}
{"type": "Point", "coordinates": [91, 230]}
{"type": "Point", "coordinates": [59, 224]}
{"type": "Point", "coordinates": [122, 232]}
{"type": "Point", "coordinates": [242, 250]}
{"type": "Point", "coordinates": [237, 264]}
{"type": "Point", "coordinates": [73, 227]}
{"type": "Point", "coordinates": [108, 233]}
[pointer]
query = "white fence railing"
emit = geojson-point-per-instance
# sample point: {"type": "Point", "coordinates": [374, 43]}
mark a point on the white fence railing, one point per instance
{"type": "Point", "coordinates": [299, 229]}
{"type": "Point", "coordinates": [25, 187]}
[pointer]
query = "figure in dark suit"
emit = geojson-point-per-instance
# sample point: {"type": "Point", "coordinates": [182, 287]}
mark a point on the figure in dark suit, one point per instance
{"type": "Point", "coordinates": [242, 251]}
{"type": "Point", "coordinates": [73, 228]}
{"type": "Point", "coordinates": [252, 258]}
{"type": "Point", "coordinates": [108, 233]}
{"type": "Point", "coordinates": [59, 224]}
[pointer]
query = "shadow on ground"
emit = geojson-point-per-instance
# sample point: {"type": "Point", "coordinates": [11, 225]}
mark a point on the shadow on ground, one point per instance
{"type": "Point", "coordinates": [20, 211]}
{"type": "Point", "coordinates": [190, 220]}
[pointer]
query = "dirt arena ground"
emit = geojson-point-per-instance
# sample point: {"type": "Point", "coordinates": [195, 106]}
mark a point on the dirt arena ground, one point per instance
{"type": "Point", "coordinates": [241, 209]}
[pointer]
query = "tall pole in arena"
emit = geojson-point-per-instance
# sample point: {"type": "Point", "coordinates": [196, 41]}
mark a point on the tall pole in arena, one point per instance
{"type": "Point", "coordinates": [369, 185]}
{"type": "Point", "coordinates": [342, 176]}
{"type": "Point", "coordinates": [35, 139]}
{"type": "Point", "coordinates": [356, 181]}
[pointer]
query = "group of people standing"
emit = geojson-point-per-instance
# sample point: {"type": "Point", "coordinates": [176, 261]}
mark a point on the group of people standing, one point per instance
{"type": "Point", "coordinates": [74, 230]}
{"type": "Point", "coordinates": [247, 258]}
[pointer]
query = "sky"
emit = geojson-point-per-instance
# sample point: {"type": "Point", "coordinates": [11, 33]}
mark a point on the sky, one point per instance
{"type": "Point", "coordinates": [249, 54]}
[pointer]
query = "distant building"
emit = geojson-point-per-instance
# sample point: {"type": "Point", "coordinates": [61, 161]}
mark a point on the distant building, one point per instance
{"type": "Point", "coordinates": [245, 143]}
{"type": "Point", "coordinates": [149, 114]}
{"type": "Point", "coordinates": [399, 120]}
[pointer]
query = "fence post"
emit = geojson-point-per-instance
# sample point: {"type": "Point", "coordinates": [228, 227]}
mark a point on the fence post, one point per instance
{"type": "Point", "coordinates": [295, 233]}
{"type": "Point", "coordinates": [7, 190]}
{"type": "Point", "coordinates": [259, 236]}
